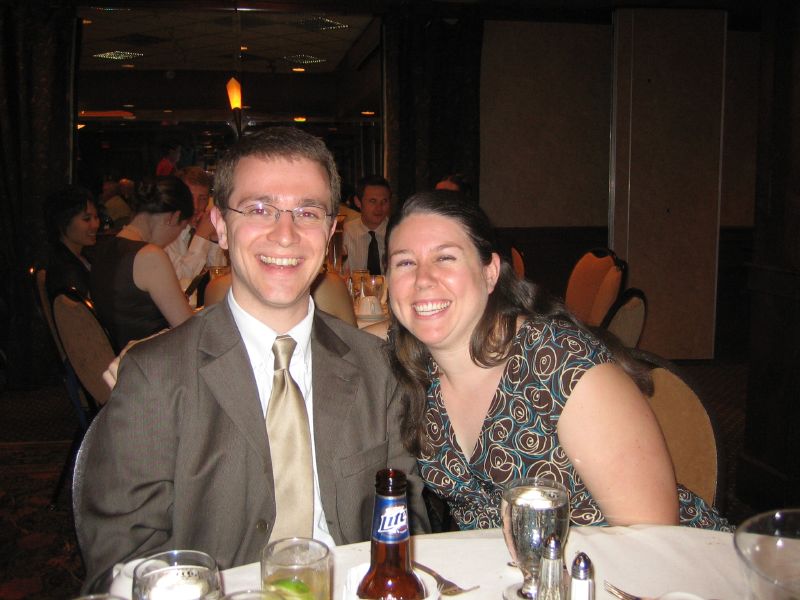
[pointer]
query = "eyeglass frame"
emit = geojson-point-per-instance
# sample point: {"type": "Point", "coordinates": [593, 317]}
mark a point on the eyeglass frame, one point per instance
{"type": "Point", "coordinates": [279, 211]}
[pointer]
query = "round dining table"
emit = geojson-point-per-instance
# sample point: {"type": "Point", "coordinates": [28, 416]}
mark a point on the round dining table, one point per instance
{"type": "Point", "coordinates": [645, 560]}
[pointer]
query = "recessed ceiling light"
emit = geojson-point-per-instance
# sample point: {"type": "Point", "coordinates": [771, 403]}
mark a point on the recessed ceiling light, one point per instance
{"type": "Point", "coordinates": [320, 24]}
{"type": "Point", "coordinates": [167, 110]}
{"type": "Point", "coordinates": [118, 55]}
{"type": "Point", "coordinates": [128, 105]}
{"type": "Point", "coordinates": [368, 113]}
{"type": "Point", "coordinates": [128, 66]}
{"type": "Point", "coordinates": [300, 119]}
{"type": "Point", "coordinates": [80, 125]}
{"type": "Point", "coordinates": [299, 69]}
{"type": "Point", "coordinates": [86, 21]}
{"type": "Point", "coordinates": [243, 48]}
{"type": "Point", "coordinates": [303, 59]}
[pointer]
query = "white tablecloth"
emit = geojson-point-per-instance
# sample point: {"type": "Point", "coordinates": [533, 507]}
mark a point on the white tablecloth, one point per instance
{"type": "Point", "coordinates": [646, 560]}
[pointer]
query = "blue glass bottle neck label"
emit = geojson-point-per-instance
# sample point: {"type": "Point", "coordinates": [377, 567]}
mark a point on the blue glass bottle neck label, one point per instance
{"type": "Point", "coordinates": [390, 519]}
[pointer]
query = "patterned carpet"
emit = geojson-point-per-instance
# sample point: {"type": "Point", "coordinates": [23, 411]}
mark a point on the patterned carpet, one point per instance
{"type": "Point", "coordinates": [39, 557]}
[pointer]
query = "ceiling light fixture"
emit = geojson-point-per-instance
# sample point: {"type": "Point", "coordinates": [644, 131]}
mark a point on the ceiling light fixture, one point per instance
{"type": "Point", "coordinates": [233, 86]}
{"type": "Point", "coordinates": [303, 59]}
{"type": "Point", "coordinates": [368, 113]}
{"type": "Point", "coordinates": [118, 55]}
{"type": "Point", "coordinates": [300, 119]}
{"type": "Point", "coordinates": [298, 69]}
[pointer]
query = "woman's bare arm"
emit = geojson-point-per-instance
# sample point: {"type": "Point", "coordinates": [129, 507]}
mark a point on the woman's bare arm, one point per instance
{"type": "Point", "coordinates": [154, 274]}
{"type": "Point", "coordinates": [612, 437]}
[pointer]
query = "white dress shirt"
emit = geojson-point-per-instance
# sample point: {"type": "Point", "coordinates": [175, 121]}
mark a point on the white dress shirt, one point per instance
{"type": "Point", "coordinates": [190, 254]}
{"type": "Point", "coordinates": [356, 241]}
{"type": "Point", "coordinates": [258, 340]}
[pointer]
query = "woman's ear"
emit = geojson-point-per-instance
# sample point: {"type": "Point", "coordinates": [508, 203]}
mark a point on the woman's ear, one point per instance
{"type": "Point", "coordinates": [491, 272]}
{"type": "Point", "coordinates": [174, 218]}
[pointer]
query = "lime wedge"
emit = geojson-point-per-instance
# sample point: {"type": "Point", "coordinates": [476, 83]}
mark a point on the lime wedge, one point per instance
{"type": "Point", "coordinates": [291, 589]}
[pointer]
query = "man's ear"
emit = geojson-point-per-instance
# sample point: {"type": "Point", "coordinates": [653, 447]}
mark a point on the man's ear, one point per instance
{"type": "Point", "coordinates": [222, 228]}
{"type": "Point", "coordinates": [357, 201]}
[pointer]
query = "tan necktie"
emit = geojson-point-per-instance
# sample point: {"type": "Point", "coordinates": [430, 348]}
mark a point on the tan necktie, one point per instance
{"type": "Point", "coordinates": [290, 447]}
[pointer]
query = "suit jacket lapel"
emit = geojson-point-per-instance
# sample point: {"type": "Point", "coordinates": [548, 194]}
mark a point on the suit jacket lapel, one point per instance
{"type": "Point", "coordinates": [336, 382]}
{"type": "Point", "coordinates": [229, 376]}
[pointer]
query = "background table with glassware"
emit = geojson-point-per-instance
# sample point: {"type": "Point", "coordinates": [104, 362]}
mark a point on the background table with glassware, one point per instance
{"type": "Point", "coordinates": [647, 560]}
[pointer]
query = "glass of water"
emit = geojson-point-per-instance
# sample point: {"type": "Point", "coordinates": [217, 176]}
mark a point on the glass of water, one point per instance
{"type": "Point", "coordinates": [177, 575]}
{"type": "Point", "coordinates": [532, 509]}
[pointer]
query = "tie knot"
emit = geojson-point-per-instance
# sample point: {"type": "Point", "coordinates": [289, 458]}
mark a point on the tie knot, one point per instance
{"type": "Point", "coordinates": [283, 348]}
{"type": "Point", "coordinates": [372, 234]}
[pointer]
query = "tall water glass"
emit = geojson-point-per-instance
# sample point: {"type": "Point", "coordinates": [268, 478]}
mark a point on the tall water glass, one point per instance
{"type": "Point", "coordinates": [532, 509]}
{"type": "Point", "coordinates": [769, 546]}
{"type": "Point", "coordinates": [177, 575]}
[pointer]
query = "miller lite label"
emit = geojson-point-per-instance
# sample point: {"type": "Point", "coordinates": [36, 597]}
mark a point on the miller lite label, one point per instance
{"type": "Point", "coordinates": [390, 520]}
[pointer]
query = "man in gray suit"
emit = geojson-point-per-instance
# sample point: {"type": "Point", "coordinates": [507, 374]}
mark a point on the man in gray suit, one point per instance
{"type": "Point", "coordinates": [180, 457]}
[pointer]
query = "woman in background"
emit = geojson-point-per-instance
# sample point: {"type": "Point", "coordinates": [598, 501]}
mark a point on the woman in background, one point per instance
{"type": "Point", "coordinates": [502, 383]}
{"type": "Point", "coordinates": [72, 224]}
{"type": "Point", "coordinates": [133, 284]}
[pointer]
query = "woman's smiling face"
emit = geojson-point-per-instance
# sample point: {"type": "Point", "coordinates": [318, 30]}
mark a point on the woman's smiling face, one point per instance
{"type": "Point", "coordinates": [438, 286]}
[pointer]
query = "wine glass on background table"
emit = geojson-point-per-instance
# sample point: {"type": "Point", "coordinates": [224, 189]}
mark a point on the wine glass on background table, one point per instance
{"type": "Point", "coordinates": [532, 509]}
{"type": "Point", "coordinates": [184, 574]}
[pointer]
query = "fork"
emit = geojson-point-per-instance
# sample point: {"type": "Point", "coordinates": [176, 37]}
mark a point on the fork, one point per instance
{"type": "Point", "coordinates": [444, 585]}
{"type": "Point", "coordinates": [618, 593]}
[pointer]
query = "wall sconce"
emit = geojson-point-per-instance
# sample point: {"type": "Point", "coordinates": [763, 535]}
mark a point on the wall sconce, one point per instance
{"type": "Point", "coordinates": [235, 98]}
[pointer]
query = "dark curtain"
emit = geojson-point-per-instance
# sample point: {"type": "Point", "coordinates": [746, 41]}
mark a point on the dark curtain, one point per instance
{"type": "Point", "coordinates": [35, 130]}
{"type": "Point", "coordinates": [432, 77]}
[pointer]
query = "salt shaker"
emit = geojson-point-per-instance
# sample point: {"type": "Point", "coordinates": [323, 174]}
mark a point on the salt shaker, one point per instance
{"type": "Point", "coordinates": [552, 583]}
{"type": "Point", "coordinates": [582, 583]}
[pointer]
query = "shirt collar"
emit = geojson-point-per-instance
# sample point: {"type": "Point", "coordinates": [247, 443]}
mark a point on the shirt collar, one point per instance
{"type": "Point", "coordinates": [258, 338]}
{"type": "Point", "coordinates": [379, 230]}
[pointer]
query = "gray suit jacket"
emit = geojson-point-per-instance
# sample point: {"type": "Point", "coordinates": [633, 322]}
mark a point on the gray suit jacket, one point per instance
{"type": "Point", "coordinates": [179, 456]}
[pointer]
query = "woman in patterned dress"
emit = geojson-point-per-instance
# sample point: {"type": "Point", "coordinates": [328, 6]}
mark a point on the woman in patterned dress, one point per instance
{"type": "Point", "coordinates": [501, 383]}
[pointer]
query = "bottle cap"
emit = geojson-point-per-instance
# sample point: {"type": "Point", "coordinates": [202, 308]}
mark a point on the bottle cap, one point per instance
{"type": "Point", "coordinates": [552, 547]}
{"type": "Point", "coordinates": [581, 567]}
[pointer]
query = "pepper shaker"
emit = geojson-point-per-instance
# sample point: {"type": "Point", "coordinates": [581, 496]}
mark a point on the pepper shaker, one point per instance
{"type": "Point", "coordinates": [582, 582]}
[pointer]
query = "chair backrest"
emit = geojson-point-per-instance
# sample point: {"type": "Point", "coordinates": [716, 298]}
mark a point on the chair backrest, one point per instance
{"type": "Point", "coordinates": [85, 342]}
{"type": "Point", "coordinates": [627, 317]}
{"type": "Point", "coordinates": [594, 285]}
{"type": "Point", "coordinates": [331, 295]}
{"type": "Point", "coordinates": [689, 430]}
{"type": "Point", "coordinates": [329, 291]}
{"type": "Point", "coordinates": [216, 289]}
{"type": "Point", "coordinates": [43, 301]}
{"type": "Point", "coordinates": [518, 263]}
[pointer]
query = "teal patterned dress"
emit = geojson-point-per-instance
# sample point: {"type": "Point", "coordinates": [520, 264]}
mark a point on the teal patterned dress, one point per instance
{"type": "Point", "coordinates": [519, 437]}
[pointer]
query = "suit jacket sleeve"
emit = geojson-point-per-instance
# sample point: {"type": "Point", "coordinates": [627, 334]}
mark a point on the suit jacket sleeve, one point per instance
{"type": "Point", "coordinates": [123, 487]}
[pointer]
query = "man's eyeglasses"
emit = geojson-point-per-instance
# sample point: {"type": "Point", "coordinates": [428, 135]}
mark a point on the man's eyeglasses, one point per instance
{"type": "Point", "coordinates": [308, 216]}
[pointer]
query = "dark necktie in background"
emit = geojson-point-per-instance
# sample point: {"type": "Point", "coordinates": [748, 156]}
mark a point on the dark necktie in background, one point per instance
{"type": "Point", "coordinates": [373, 256]}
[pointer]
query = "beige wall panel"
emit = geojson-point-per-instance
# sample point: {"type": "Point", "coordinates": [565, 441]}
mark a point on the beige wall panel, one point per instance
{"type": "Point", "coordinates": [737, 205]}
{"type": "Point", "coordinates": [545, 120]}
{"type": "Point", "coordinates": [669, 189]}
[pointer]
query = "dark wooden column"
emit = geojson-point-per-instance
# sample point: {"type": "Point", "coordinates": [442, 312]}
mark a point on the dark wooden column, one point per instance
{"type": "Point", "coordinates": [769, 467]}
{"type": "Point", "coordinates": [432, 79]}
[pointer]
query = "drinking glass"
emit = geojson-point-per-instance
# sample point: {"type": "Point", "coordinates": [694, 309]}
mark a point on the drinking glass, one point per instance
{"type": "Point", "coordinates": [297, 567]}
{"type": "Point", "coordinates": [532, 509]}
{"type": "Point", "coordinates": [177, 575]}
{"type": "Point", "coordinates": [769, 546]}
{"type": "Point", "coordinates": [374, 286]}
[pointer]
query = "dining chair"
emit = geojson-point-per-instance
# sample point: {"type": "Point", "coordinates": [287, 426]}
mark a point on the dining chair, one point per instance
{"type": "Point", "coordinates": [594, 285]}
{"type": "Point", "coordinates": [518, 263]}
{"type": "Point", "coordinates": [331, 295]}
{"type": "Point", "coordinates": [85, 341]}
{"type": "Point", "coordinates": [689, 428]}
{"type": "Point", "coordinates": [84, 407]}
{"type": "Point", "coordinates": [626, 318]}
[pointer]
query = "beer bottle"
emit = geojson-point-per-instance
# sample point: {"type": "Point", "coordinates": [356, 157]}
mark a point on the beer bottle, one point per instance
{"type": "Point", "coordinates": [390, 576]}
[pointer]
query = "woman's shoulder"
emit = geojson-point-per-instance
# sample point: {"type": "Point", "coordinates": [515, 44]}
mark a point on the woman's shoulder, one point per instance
{"type": "Point", "coordinates": [559, 333]}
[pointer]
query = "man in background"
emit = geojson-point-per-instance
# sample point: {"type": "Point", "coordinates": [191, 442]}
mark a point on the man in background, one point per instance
{"type": "Point", "coordinates": [197, 245]}
{"type": "Point", "coordinates": [364, 238]}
